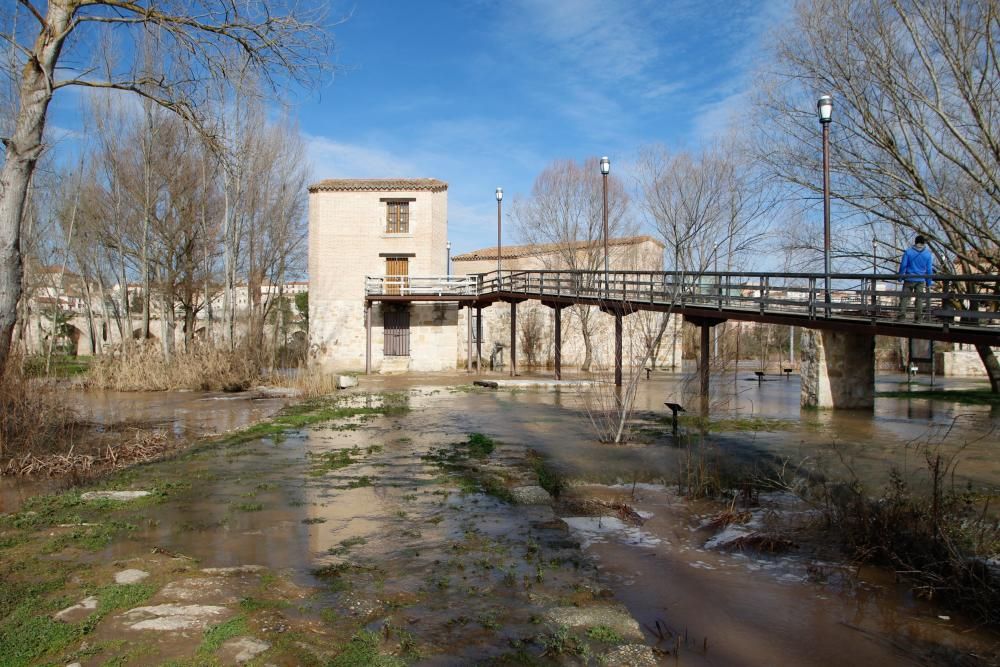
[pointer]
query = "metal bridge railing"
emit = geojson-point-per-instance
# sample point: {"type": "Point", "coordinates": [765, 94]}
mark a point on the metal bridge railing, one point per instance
{"type": "Point", "coordinates": [968, 300]}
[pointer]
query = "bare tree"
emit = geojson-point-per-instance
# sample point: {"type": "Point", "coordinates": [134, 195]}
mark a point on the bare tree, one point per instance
{"type": "Point", "coordinates": [197, 41]}
{"type": "Point", "coordinates": [916, 141]}
{"type": "Point", "coordinates": [565, 212]}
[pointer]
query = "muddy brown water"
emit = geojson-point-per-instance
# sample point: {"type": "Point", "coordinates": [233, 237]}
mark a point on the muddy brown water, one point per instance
{"type": "Point", "coordinates": [183, 415]}
{"type": "Point", "coordinates": [702, 606]}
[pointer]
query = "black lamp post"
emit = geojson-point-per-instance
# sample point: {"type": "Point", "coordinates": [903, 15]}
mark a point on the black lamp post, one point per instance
{"type": "Point", "coordinates": [499, 205]}
{"type": "Point", "coordinates": [448, 262]}
{"type": "Point", "coordinates": [605, 170]}
{"type": "Point", "coordinates": [824, 108]}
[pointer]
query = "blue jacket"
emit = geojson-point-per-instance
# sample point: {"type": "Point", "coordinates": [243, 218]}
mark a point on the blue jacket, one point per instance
{"type": "Point", "coordinates": [919, 262]}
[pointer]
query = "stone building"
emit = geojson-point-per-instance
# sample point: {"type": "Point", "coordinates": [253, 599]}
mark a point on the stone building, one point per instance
{"type": "Point", "coordinates": [378, 227]}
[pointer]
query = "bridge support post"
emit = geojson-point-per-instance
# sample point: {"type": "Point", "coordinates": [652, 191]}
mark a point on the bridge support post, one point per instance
{"type": "Point", "coordinates": [479, 339]}
{"type": "Point", "coordinates": [837, 369]}
{"type": "Point", "coordinates": [558, 344]}
{"type": "Point", "coordinates": [468, 339]}
{"type": "Point", "coordinates": [368, 338]}
{"type": "Point", "coordinates": [618, 348]}
{"type": "Point", "coordinates": [704, 361]}
{"type": "Point", "coordinates": [513, 338]}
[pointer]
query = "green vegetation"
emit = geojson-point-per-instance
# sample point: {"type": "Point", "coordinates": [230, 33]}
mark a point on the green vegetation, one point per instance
{"type": "Point", "coordinates": [604, 634]}
{"type": "Point", "coordinates": [60, 366]}
{"type": "Point", "coordinates": [965, 396]}
{"type": "Point", "coordinates": [548, 479]}
{"type": "Point", "coordinates": [217, 635]}
{"type": "Point", "coordinates": [480, 446]}
{"type": "Point", "coordinates": [363, 651]}
{"type": "Point", "coordinates": [248, 507]}
{"type": "Point", "coordinates": [313, 412]}
{"type": "Point", "coordinates": [731, 424]}
{"type": "Point", "coordinates": [325, 462]}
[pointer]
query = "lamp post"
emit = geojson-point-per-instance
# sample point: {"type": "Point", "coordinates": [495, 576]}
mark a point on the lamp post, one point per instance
{"type": "Point", "coordinates": [448, 261]}
{"type": "Point", "coordinates": [605, 170]}
{"type": "Point", "coordinates": [874, 272]}
{"type": "Point", "coordinates": [718, 287]}
{"type": "Point", "coordinates": [824, 108]}
{"type": "Point", "coordinates": [499, 205]}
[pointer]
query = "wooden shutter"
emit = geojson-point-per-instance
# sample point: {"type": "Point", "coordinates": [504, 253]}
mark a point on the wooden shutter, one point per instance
{"type": "Point", "coordinates": [397, 220]}
{"type": "Point", "coordinates": [397, 333]}
{"type": "Point", "coordinates": [399, 267]}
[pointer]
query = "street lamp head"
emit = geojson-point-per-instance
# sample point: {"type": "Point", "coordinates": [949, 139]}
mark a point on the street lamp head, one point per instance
{"type": "Point", "coordinates": [824, 107]}
{"type": "Point", "coordinates": [499, 194]}
{"type": "Point", "coordinates": [605, 165]}
{"type": "Point", "coordinates": [449, 245]}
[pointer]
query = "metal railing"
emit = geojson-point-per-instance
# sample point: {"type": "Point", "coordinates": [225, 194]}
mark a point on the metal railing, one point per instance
{"type": "Point", "coordinates": [442, 286]}
{"type": "Point", "coordinates": [965, 300]}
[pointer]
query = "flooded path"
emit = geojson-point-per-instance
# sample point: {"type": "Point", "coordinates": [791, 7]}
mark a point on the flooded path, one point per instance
{"type": "Point", "coordinates": [377, 525]}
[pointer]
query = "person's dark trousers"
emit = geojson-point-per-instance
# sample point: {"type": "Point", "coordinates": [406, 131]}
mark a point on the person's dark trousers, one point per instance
{"type": "Point", "coordinates": [912, 289]}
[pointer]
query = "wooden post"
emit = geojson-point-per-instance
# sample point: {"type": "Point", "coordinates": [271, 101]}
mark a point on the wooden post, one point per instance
{"type": "Point", "coordinates": [479, 340]}
{"type": "Point", "coordinates": [558, 343]}
{"type": "Point", "coordinates": [368, 338]}
{"type": "Point", "coordinates": [468, 339]}
{"type": "Point", "coordinates": [513, 338]}
{"type": "Point", "coordinates": [618, 348]}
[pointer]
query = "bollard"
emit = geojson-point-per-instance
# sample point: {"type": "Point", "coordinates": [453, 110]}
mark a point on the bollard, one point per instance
{"type": "Point", "coordinates": [675, 408]}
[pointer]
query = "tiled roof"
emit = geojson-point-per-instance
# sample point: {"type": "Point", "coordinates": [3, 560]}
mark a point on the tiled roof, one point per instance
{"type": "Point", "coordinates": [378, 185]}
{"type": "Point", "coordinates": [517, 251]}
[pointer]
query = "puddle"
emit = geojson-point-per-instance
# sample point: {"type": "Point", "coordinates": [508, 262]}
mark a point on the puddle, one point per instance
{"type": "Point", "coordinates": [375, 535]}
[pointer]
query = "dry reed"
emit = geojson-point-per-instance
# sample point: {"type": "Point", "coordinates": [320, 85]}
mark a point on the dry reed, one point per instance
{"type": "Point", "coordinates": [203, 368]}
{"type": "Point", "coordinates": [144, 446]}
{"type": "Point", "coordinates": [33, 417]}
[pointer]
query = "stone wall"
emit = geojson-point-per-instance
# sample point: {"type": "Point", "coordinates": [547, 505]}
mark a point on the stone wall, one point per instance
{"type": "Point", "coordinates": [961, 363]}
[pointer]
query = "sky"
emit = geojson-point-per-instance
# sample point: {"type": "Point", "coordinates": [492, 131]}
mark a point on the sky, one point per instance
{"type": "Point", "coordinates": [487, 93]}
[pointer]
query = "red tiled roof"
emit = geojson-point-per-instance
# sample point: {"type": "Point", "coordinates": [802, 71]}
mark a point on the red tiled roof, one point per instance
{"type": "Point", "coordinates": [517, 251]}
{"type": "Point", "coordinates": [378, 185]}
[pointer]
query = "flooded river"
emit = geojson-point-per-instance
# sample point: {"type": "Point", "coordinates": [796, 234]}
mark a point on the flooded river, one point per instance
{"type": "Point", "coordinates": [699, 605]}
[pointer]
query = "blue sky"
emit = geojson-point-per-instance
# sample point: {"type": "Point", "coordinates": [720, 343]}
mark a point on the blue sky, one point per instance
{"type": "Point", "coordinates": [487, 93]}
{"type": "Point", "coordinates": [484, 93]}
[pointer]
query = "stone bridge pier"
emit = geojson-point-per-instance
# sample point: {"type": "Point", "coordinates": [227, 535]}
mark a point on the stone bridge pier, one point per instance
{"type": "Point", "coordinates": [837, 369]}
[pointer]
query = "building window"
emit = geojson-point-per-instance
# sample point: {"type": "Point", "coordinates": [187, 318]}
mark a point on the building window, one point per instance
{"type": "Point", "coordinates": [397, 220]}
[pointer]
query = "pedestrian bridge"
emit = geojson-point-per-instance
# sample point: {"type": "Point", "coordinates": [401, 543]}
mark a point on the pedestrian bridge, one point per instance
{"type": "Point", "coordinates": [857, 307]}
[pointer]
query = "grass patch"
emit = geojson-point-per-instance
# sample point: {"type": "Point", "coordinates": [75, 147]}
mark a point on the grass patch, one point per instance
{"type": "Point", "coordinates": [604, 634]}
{"type": "Point", "coordinates": [965, 396]}
{"type": "Point", "coordinates": [248, 507]}
{"type": "Point", "coordinates": [252, 604]}
{"type": "Point", "coordinates": [731, 424]}
{"type": "Point", "coordinates": [122, 596]}
{"type": "Point", "coordinates": [217, 635]}
{"type": "Point", "coordinates": [330, 461]}
{"type": "Point", "coordinates": [480, 446]}
{"type": "Point", "coordinates": [363, 651]}
{"type": "Point", "coordinates": [548, 479]}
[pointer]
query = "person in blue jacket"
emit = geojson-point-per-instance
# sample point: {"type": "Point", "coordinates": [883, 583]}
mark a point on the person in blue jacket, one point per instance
{"type": "Point", "coordinates": [917, 261]}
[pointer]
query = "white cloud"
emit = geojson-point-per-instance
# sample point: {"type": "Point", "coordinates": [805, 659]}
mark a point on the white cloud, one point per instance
{"type": "Point", "coordinates": [334, 159]}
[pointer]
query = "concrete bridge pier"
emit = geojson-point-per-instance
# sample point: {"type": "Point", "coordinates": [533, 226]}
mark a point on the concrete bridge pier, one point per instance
{"type": "Point", "coordinates": [837, 369]}
{"type": "Point", "coordinates": [705, 325]}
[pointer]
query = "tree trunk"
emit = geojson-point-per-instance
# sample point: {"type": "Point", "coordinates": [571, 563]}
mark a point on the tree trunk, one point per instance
{"type": "Point", "coordinates": [24, 148]}
{"type": "Point", "coordinates": [992, 366]}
